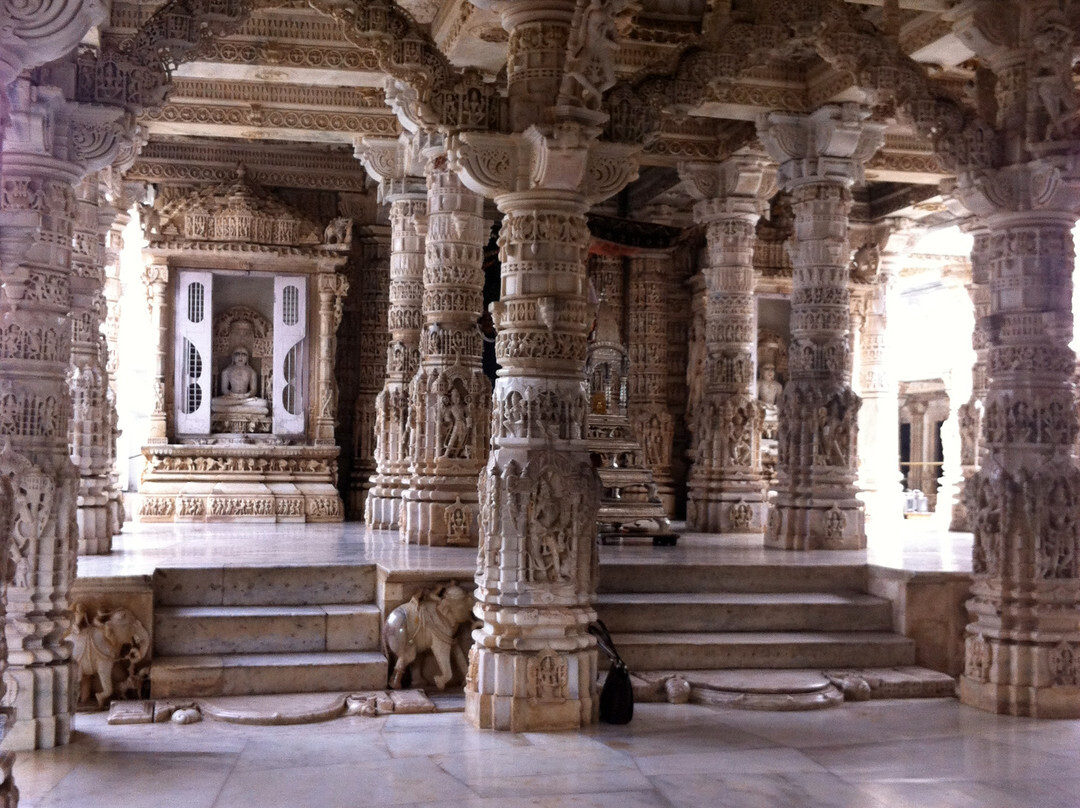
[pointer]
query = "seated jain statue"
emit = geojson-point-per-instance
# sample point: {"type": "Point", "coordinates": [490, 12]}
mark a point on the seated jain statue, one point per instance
{"type": "Point", "coordinates": [768, 391]}
{"type": "Point", "coordinates": [239, 388]}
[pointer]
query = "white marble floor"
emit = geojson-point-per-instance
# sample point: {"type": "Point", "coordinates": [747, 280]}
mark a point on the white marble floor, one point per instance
{"type": "Point", "coordinates": [882, 754]}
{"type": "Point", "coordinates": [143, 547]}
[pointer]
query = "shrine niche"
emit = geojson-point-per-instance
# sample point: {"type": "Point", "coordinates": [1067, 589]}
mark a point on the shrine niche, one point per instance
{"type": "Point", "coordinates": [247, 298]}
{"type": "Point", "coordinates": [629, 503]}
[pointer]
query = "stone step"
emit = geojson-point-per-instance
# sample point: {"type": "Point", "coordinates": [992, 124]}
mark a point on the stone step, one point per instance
{"type": "Point", "coordinates": [195, 630]}
{"type": "Point", "coordinates": [621, 576]}
{"type": "Point", "coordinates": [767, 649]}
{"type": "Point", "coordinates": [744, 611]}
{"type": "Point", "coordinates": [260, 674]}
{"type": "Point", "coordinates": [260, 586]}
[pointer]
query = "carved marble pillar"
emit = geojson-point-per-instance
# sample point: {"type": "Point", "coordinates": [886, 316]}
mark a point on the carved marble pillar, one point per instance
{"type": "Point", "coordinates": [695, 357]}
{"type": "Point", "coordinates": [450, 397]}
{"type": "Point", "coordinates": [37, 207]}
{"type": "Point", "coordinates": [156, 281]}
{"type": "Point", "coordinates": [397, 166]}
{"type": "Point", "coordinates": [879, 439]}
{"type": "Point", "coordinates": [970, 413]}
{"type": "Point", "coordinates": [1022, 653]}
{"type": "Point", "coordinates": [533, 665]}
{"type": "Point", "coordinates": [332, 287]}
{"type": "Point", "coordinates": [727, 492]}
{"type": "Point", "coordinates": [1023, 650]}
{"type": "Point", "coordinates": [647, 346]}
{"type": "Point", "coordinates": [373, 302]}
{"type": "Point", "coordinates": [113, 219]}
{"type": "Point", "coordinates": [91, 426]}
{"type": "Point", "coordinates": [821, 156]}
{"type": "Point", "coordinates": [38, 168]}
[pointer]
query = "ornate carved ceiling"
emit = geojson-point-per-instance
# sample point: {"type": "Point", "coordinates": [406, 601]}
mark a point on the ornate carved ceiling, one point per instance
{"type": "Point", "coordinates": [293, 73]}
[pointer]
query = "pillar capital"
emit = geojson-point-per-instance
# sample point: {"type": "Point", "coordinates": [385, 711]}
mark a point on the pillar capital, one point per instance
{"type": "Point", "coordinates": [397, 164]}
{"type": "Point", "coordinates": [737, 188]}
{"type": "Point", "coordinates": [562, 158]}
{"type": "Point", "coordinates": [829, 145]}
{"type": "Point", "coordinates": [36, 33]}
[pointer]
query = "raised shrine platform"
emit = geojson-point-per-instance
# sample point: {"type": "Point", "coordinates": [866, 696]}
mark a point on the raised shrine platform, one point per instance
{"type": "Point", "coordinates": [229, 481]}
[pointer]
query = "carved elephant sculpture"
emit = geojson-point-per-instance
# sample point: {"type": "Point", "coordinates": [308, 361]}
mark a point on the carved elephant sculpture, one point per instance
{"type": "Point", "coordinates": [428, 622]}
{"type": "Point", "coordinates": [97, 645]}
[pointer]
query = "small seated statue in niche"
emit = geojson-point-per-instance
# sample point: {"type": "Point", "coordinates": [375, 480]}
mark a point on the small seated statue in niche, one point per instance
{"type": "Point", "coordinates": [239, 388]}
{"type": "Point", "coordinates": [768, 391]}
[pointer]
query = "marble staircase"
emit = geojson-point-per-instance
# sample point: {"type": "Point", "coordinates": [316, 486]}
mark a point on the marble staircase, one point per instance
{"type": "Point", "coordinates": [238, 631]}
{"type": "Point", "coordinates": [671, 616]}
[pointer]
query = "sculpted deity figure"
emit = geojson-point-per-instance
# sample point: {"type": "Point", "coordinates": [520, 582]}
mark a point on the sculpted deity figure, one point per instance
{"type": "Point", "coordinates": [769, 388]}
{"type": "Point", "coordinates": [239, 388]}
{"type": "Point", "coordinates": [458, 421]}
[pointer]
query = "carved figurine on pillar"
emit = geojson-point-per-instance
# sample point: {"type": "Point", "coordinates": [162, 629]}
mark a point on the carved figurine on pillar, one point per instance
{"type": "Point", "coordinates": [821, 156]}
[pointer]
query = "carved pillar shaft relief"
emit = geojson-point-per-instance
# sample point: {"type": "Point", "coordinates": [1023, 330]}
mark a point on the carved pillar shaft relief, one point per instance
{"type": "Point", "coordinates": [113, 218]}
{"type": "Point", "coordinates": [647, 346]}
{"type": "Point", "coordinates": [876, 384]}
{"type": "Point", "coordinates": [821, 157]}
{"type": "Point", "coordinates": [332, 288]}
{"type": "Point", "coordinates": [533, 665]}
{"type": "Point", "coordinates": [156, 280]}
{"type": "Point", "coordinates": [396, 165]}
{"type": "Point", "coordinates": [37, 209]}
{"type": "Point", "coordinates": [372, 306]}
{"type": "Point", "coordinates": [450, 397]}
{"type": "Point", "coordinates": [92, 424]}
{"type": "Point", "coordinates": [726, 487]}
{"type": "Point", "coordinates": [1022, 649]}
{"type": "Point", "coordinates": [1022, 500]}
{"type": "Point", "coordinates": [539, 494]}
{"type": "Point", "coordinates": [970, 413]}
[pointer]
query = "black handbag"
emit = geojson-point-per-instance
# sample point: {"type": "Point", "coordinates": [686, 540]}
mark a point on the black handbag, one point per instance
{"type": "Point", "coordinates": [617, 694]}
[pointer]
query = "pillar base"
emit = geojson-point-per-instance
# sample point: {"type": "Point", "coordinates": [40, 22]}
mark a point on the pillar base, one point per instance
{"type": "Point", "coordinates": [818, 526]}
{"type": "Point", "coordinates": [43, 698]}
{"type": "Point", "coordinates": [718, 506]}
{"type": "Point", "coordinates": [440, 511]}
{"type": "Point", "coordinates": [519, 692]}
{"type": "Point", "coordinates": [1054, 701]}
{"type": "Point", "coordinates": [383, 507]}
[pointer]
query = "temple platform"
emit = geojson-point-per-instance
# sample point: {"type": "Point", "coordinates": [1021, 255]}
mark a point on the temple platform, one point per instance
{"type": "Point", "coordinates": [251, 609]}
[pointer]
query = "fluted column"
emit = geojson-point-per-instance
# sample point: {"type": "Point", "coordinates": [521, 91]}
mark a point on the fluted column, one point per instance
{"type": "Point", "coordinates": [648, 272]}
{"type": "Point", "coordinates": [1022, 652]}
{"type": "Point", "coordinates": [727, 492]}
{"type": "Point", "coordinates": [821, 156]}
{"type": "Point", "coordinates": [970, 413]}
{"type": "Point", "coordinates": [396, 164]}
{"type": "Point", "coordinates": [373, 303]}
{"type": "Point", "coordinates": [450, 396]}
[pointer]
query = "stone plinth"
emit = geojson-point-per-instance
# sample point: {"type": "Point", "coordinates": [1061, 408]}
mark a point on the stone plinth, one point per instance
{"type": "Point", "coordinates": [224, 483]}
